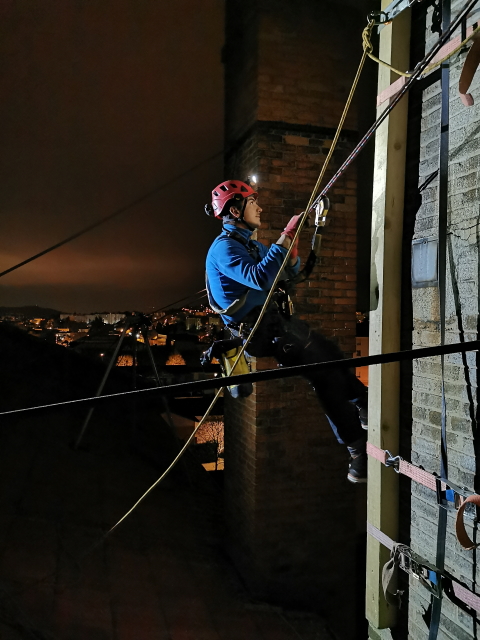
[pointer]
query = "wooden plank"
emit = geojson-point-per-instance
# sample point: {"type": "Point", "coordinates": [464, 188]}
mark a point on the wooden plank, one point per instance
{"type": "Point", "coordinates": [387, 224]}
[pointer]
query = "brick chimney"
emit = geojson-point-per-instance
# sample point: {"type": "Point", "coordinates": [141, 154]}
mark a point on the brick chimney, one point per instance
{"type": "Point", "coordinates": [291, 512]}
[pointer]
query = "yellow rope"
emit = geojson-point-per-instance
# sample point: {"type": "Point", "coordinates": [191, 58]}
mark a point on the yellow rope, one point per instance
{"type": "Point", "coordinates": [452, 53]}
{"type": "Point", "coordinates": [270, 293]}
{"type": "Point", "coordinates": [368, 48]}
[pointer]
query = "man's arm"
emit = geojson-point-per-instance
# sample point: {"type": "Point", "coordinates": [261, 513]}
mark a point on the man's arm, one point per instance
{"type": "Point", "coordinates": [233, 260]}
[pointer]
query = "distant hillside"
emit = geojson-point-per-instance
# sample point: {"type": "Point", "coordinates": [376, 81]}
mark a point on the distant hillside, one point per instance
{"type": "Point", "coordinates": [31, 311]}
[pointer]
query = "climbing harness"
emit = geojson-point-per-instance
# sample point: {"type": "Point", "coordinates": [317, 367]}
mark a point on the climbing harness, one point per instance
{"type": "Point", "coordinates": [226, 351]}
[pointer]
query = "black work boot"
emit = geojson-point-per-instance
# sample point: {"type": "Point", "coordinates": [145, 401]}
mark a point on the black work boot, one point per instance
{"type": "Point", "coordinates": [362, 408]}
{"type": "Point", "coordinates": [357, 471]}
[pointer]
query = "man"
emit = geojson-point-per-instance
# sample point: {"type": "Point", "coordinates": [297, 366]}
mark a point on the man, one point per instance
{"type": "Point", "coordinates": [240, 273]}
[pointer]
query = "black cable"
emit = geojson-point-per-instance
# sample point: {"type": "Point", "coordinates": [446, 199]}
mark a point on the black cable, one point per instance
{"type": "Point", "coordinates": [428, 180]}
{"type": "Point", "coordinates": [192, 295]}
{"type": "Point", "coordinates": [275, 374]}
{"type": "Point", "coordinates": [116, 213]}
{"type": "Point", "coordinates": [436, 603]}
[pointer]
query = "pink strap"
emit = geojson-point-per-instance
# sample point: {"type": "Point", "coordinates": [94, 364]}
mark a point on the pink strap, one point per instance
{"type": "Point", "coordinates": [396, 86]}
{"type": "Point", "coordinates": [466, 596]}
{"type": "Point", "coordinates": [405, 468]}
{"type": "Point", "coordinates": [376, 452]}
{"type": "Point", "coordinates": [391, 91]}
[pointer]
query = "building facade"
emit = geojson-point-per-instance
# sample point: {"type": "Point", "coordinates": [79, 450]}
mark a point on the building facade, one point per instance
{"type": "Point", "coordinates": [425, 292]}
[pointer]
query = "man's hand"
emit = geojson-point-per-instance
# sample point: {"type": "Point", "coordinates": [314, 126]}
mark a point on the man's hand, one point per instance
{"type": "Point", "coordinates": [287, 236]}
{"type": "Point", "coordinates": [291, 227]}
{"type": "Point", "coordinates": [284, 241]}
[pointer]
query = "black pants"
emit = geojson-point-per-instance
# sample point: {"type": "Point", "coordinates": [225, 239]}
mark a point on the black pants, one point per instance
{"type": "Point", "coordinates": [291, 342]}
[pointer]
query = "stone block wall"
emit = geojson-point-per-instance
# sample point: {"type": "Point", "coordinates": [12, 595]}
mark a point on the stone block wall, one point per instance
{"type": "Point", "coordinates": [291, 512]}
{"type": "Point", "coordinates": [462, 312]}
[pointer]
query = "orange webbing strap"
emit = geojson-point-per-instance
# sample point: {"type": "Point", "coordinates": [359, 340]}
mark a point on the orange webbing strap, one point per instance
{"type": "Point", "coordinates": [376, 452]}
{"type": "Point", "coordinates": [419, 475]}
{"type": "Point", "coordinates": [462, 535]}
{"type": "Point", "coordinates": [428, 480]}
{"type": "Point", "coordinates": [405, 468]}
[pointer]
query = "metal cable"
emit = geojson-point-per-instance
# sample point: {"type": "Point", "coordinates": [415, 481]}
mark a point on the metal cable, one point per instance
{"type": "Point", "coordinates": [192, 295]}
{"type": "Point", "coordinates": [113, 215]}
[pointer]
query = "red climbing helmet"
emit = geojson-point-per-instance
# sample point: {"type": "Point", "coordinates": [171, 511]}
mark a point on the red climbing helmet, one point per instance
{"type": "Point", "coordinates": [226, 191]}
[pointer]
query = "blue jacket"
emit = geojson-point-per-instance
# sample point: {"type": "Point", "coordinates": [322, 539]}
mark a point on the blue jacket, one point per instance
{"type": "Point", "coordinates": [232, 271]}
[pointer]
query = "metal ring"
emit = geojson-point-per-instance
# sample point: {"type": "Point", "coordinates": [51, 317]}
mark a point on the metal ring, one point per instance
{"type": "Point", "coordinates": [392, 461]}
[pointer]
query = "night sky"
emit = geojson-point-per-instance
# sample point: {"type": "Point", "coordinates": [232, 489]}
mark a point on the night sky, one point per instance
{"type": "Point", "coordinates": [101, 102]}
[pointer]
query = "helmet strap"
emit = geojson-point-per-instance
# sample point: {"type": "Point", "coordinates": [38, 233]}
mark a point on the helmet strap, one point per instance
{"type": "Point", "coordinates": [242, 219]}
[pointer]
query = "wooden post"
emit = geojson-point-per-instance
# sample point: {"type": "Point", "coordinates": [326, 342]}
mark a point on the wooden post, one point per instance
{"type": "Point", "coordinates": [387, 223]}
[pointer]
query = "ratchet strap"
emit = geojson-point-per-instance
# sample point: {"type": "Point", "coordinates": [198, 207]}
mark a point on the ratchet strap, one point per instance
{"type": "Point", "coordinates": [450, 496]}
{"type": "Point", "coordinates": [436, 581]}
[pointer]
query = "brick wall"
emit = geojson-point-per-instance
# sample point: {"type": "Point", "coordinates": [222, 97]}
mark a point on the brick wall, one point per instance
{"type": "Point", "coordinates": [464, 160]}
{"type": "Point", "coordinates": [291, 512]}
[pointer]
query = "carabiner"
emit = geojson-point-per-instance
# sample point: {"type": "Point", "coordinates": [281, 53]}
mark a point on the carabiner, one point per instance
{"type": "Point", "coordinates": [377, 16]}
{"type": "Point", "coordinates": [321, 211]}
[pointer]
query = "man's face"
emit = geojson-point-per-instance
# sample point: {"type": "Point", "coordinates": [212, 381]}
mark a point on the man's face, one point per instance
{"type": "Point", "coordinates": [252, 212]}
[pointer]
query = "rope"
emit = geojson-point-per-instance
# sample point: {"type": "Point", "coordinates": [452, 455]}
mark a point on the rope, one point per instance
{"type": "Point", "coordinates": [452, 53]}
{"type": "Point", "coordinates": [419, 69]}
{"type": "Point", "coordinates": [368, 49]}
{"type": "Point", "coordinates": [311, 203]}
{"type": "Point", "coordinates": [169, 468]}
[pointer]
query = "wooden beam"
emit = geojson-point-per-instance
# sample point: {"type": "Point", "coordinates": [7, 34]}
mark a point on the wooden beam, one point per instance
{"type": "Point", "coordinates": [387, 224]}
